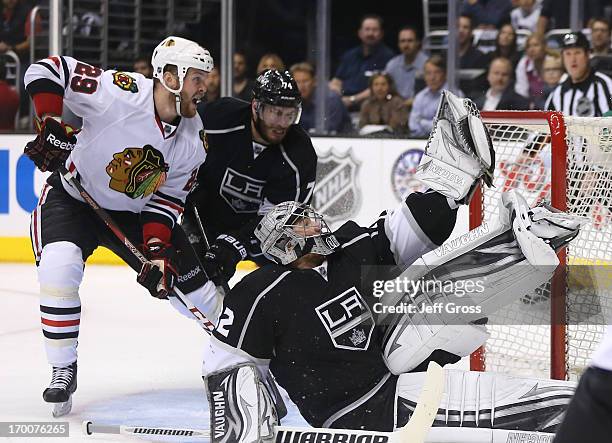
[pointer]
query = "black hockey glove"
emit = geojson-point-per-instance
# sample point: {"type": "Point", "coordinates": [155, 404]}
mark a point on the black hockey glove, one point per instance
{"type": "Point", "coordinates": [52, 146]}
{"type": "Point", "coordinates": [221, 259]}
{"type": "Point", "coordinates": [160, 274]}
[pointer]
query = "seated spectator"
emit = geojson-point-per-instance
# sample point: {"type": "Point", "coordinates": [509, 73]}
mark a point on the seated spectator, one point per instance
{"type": "Point", "coordinates": [526, 15]}
{"type": "Point", "coordinates": [426, 101]}
{"type": "Point", "coordinates": [270, 61]}
{"type": "Point", "coordinates": [243, 86]}
{"type": "Point", "coordinates": [506, 46]}
{"type": "Point", "coordinates": [142, 65]}
{"type": "Point", "coordinates": [15, 29]}
{"type": "Point", "coordinates": [552, 73]}
{"type": "Point", "coordinates": [403, 68]}
{"type": "Point", "coordinates": [501, 95]}
{"type": "Point", "coordinates": [469, 56]}
{"type": "Point", "coordinates": [213, 86]}
{"type": "Point", "coordinates": [585, 92]}
{"type": "Point", "coordinates": [600, 37]}
{"type": "Point", "coordinates": [336, 116]}
{"type": "Point", "coordinates": [357, 64]}
{"type": "Point", "coordinates": [488, 14]}
{"type": "Point", "coordinates": [9, 101]}
{"type": "Point", "coordinates": [529, 82]}
{"type": "Point", "coordinates": [384, 106]}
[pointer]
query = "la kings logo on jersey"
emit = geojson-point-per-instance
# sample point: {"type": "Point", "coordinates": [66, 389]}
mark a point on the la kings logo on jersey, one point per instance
{"type": "Point", "coordinates": [347, 320]}
{"type": "Point", "coordinates": [243, 193]}
{"type": "Point", "coordinates": [337, 193]}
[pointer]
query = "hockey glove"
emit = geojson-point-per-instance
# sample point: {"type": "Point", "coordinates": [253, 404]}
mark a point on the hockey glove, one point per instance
{"type": "Point", "coordinates": [221, 259]}
{"type": "Point", "coordinates": [159, 274]}
{"type": "Point", "coordinates": [53, 144]}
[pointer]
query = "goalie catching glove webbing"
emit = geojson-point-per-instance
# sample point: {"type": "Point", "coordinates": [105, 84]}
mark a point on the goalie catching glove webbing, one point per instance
{"type": "Point", "coordinates": [52, 145]}
{"type": "Point", "coordinates": [459, 151]}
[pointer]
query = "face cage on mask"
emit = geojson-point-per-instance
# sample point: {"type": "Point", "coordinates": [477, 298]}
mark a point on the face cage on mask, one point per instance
{"type": "Point", "coordinates": [291, 245]}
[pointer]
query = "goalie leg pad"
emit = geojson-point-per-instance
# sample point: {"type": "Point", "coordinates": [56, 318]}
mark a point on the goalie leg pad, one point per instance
{"type": "Point", "coordinates": [241, 406]}
{"type": "Point", "coordinates": [490, 400]}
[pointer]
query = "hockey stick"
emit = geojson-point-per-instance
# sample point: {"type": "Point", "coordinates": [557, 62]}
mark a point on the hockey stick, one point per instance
{"type": "Point", "coordinates": [110, 223]}
{"type": "Point", "coordinates": [415, 430]}
{"type": "Point", "coordinates": [223, 284]}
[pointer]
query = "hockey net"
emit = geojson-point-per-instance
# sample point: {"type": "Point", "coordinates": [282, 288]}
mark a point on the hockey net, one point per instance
{"type": "Point", "coordinates": [566, 161]}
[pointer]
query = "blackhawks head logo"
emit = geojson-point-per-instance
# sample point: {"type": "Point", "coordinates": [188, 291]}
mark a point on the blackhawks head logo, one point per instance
{"type": "Point", "coordinates": [137, 172]}
{"type": "Point", "coordinates": [125, 81]}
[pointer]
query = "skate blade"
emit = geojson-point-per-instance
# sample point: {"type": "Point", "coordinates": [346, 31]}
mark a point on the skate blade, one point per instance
{"type": "Point", "coordinates": [60, 409]}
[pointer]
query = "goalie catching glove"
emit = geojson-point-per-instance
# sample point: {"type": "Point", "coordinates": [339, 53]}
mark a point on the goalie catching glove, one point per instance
{"type": "Point", "coordinates": [53, 144]}
{"type": "Point", "coordinates": [459, 151]}
{"type": "Point", "coordinates": [159, 274]}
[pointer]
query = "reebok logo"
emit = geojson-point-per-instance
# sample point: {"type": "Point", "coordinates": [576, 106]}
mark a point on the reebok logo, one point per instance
{"type": "Point", "coordinates": [183, 278]}
{"type": "Point", "coordinates": [54, 141]}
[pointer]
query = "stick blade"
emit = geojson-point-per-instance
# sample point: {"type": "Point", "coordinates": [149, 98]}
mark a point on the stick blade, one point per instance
{"type": "Point", "coordinates": [423, 417]}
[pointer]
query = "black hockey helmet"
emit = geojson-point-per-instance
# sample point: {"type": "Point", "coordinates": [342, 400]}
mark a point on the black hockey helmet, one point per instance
{"type": "Point", "coordinates": [273, 87]}
{"type": "Point", "coordinates": [576, 40]}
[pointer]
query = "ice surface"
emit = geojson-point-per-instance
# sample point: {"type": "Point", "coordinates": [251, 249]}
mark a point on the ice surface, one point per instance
{"type": "Point", "coordinates": [139, 359]}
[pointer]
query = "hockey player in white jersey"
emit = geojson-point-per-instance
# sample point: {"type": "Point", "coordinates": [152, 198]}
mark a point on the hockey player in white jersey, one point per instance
{"type": "Point", "coordinates": [137, 155]}
{"type": "Point", "coordinates": [311, 318]}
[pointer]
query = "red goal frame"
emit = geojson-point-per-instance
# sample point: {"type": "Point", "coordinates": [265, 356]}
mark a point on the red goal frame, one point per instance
{"type": "Point", "coordinates": [556, 125]}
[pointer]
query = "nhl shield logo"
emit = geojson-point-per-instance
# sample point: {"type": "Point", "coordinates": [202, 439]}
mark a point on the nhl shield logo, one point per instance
{"type": "Point", "coordinates": [402, 173]}
{"type": "Point", "coordinates": [337, 193]}
{"type": "Point", "coordinates": [347, 320]}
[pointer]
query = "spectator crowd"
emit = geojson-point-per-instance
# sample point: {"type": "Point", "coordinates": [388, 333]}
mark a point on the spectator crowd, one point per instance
{"type": "Point", "coordinates": [376, 89]}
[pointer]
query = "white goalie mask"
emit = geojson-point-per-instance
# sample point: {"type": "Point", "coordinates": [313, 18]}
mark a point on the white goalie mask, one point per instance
{"type": "Point", "coordinates": [293, 229]}
{"type": "Point", "coordinates": [183, 54]}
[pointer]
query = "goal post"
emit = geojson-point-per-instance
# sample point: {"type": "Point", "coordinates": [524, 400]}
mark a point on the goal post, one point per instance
{"type": "Point", "coordinates": [566, 161]}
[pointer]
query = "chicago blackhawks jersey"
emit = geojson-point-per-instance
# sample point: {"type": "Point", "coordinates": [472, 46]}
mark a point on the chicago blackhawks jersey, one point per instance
{"type": "Point", "coordinates": [125, 156]}
{"type": "Point", "coordinates": [241, 179]}
{"type": "Point", "coordinates": [315, 328]}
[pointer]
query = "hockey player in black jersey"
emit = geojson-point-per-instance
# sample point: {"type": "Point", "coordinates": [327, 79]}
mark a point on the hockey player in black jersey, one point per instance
{"type": "Point", "coordinates": [258, 156]}
{"type": "Point", "coordinates": [310, 318]}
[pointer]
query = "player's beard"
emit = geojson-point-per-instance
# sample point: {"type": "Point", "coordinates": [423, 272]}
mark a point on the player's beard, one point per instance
{"type": "Point", "coordinates": [188, 107]}
{"type": "Point", "coordinates": [272, 134]}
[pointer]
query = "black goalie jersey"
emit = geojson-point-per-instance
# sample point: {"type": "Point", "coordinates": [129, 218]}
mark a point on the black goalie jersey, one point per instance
{"type": "Point", "coordinates": [315, 327]}
{"type": "Point", "coordinates": [241, 179]}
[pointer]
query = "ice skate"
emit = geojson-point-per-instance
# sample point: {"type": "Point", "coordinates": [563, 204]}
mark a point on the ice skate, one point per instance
{"type": "Point", "coordinates": [63, 384]}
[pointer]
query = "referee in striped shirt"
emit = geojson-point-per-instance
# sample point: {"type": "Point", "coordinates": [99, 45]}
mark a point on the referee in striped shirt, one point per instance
{"type": "Point", "coordinates": [585, 92]}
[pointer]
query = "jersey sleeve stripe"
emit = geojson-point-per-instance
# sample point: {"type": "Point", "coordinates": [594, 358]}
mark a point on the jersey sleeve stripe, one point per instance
{"type": "Point", "coordinates": [44, 85]}
{"type": "Point", "coordinates": [176, 201]}
{"type": "Point", "coordinates": [175, 207]}
{"type": "Point", "coordinates": [161, 211]}
{"type": "Point", "coordinates": [224, 131]}
{"type": "Point", "coordinates": [603, 81]}
{"type": "Point", "coordinates": [297, 173]}
{"type": "Point", "coordinates": [155, 217]}
{"type": "Point", "coordinates": [257, 300]}
{"type": "Point", "coordinates": [66, 71]}
{"type": "Point", "coordinates": [49, 68]}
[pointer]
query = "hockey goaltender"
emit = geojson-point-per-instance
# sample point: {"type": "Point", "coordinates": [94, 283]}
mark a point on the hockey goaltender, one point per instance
{"type": "Point", "coordinates": [307, 318]}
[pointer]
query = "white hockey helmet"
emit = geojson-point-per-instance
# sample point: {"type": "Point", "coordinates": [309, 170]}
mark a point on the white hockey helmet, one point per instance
{"type": "Point", "coordinates": [286, 233]}
{"type": "Point", "coordinates": [183, 54]}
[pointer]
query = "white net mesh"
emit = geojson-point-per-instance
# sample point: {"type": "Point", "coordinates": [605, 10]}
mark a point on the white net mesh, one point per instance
{"type": "Point", "coordinates": [524, 156]}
